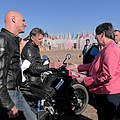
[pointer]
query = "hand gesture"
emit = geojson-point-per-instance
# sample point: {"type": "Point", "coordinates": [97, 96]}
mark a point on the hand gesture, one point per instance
{"type": "Point", "coordinates": [55, 64]}
{"type": "Point", "coordinates": [13, 112]}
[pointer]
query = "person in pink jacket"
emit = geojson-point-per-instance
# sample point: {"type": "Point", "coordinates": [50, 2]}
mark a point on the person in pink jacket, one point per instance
{"type": "Point", "coordinates": [104, 74]}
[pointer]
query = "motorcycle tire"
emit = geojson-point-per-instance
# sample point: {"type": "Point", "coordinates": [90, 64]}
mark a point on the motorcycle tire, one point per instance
{"type": "Point", "coordinates": [80, 99]}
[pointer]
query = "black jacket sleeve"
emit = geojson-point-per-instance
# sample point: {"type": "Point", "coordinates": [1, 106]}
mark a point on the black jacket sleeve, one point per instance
{"type": "Point", "coordinates": [36, 66]}
{"type": "Point", "coordinates": [5, 99]}
{"type": "Point", "coordinates": [83, 51]}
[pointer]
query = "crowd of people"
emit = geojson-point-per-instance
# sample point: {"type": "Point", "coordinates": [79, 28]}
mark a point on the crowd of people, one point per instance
{"type": "Point", "coordinates": [101, 61]}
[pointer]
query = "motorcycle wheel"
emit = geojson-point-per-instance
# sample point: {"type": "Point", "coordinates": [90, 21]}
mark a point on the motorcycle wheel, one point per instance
{"type": "Point", "coordinates": [80, 99]}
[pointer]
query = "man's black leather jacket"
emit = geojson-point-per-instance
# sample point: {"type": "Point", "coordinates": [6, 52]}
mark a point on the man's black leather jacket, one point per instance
{"type": "Point", "coordinates": [10, 70]}
{"type": "Point", "coordinates": [31, 53]}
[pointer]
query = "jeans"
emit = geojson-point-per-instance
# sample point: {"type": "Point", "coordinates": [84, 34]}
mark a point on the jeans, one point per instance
{"type": "Point", "coordinates": [22, 105]}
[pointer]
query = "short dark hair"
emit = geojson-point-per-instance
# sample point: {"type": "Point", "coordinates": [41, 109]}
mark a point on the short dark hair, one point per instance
{"type": "Point", "coordinates": [116, 30]}
{"type": "Point", "coordinates": [87, 40]}
{"type": "Point", "coordinates": [36, 31]}
{"type": "Point", "coordinates": [107, 28]}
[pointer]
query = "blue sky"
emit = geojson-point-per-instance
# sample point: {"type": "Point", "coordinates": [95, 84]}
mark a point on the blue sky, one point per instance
{"type": "Point", "coordinates": [63, 16]}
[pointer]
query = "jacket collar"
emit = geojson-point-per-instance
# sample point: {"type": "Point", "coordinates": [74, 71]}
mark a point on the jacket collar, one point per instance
{"type": "Point", "coordinates": [15, 37]}
{"type": "Point", "coordinates": [33, 44]}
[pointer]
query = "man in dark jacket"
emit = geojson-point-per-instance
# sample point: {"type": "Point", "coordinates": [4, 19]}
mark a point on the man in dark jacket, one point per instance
{"type": "Point", "coordinates": [10, 69]}
{"type": "Point", "coordinates": [31, 53]}
{"type": "Point", "coordinates": [85, 50]}
{"type": "Point", "coordinates": [91, 53]}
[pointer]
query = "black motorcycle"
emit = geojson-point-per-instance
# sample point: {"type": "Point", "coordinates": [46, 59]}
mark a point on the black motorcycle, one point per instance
{"type": "Point", "coordinates": [58, 94]}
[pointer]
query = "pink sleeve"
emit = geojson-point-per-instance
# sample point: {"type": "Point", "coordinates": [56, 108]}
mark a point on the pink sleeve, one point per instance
{"type": "Point", "coordinates": [88, 81]}
{"type": "Point", "coordinates": [83, 67]}
{"type": "Point", "coordinates": [108, 68]}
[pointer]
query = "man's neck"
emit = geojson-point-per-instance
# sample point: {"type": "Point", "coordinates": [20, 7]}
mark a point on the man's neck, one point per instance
{"type": "Point", "coordinates": [12, 30]}
{"type": "Point", "coordinates": [106, 41]}
{"type": "Point", "coordinates": [88, 44]}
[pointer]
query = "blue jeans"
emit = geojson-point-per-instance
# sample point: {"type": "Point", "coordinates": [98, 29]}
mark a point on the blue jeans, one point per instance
{"type": "Point", "coordinates": [22, 105]}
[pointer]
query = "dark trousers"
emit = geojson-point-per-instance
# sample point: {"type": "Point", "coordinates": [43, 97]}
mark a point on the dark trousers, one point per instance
{"type": "Point", "coordinates": [108, 106]}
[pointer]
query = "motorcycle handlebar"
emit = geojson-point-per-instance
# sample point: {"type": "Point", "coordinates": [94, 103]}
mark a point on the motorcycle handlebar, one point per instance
{"type": "Point", "coordinates": [63, 67]}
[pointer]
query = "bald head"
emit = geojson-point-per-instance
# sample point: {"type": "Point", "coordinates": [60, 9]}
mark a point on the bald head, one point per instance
{"type": "Point", "coordinates": [14, 22]}
{"type": "Point", "coordinates": [11, 15]}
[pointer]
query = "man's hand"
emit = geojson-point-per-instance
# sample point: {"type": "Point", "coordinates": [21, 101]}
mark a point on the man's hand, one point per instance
{"type": "Point", "coordinates": [13, 113]}
{"type": "Point", "coordinates": [56, 64]}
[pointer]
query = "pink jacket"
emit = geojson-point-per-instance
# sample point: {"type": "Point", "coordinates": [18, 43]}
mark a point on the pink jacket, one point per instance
{"type": "Point", "coordinates": [104, 71]}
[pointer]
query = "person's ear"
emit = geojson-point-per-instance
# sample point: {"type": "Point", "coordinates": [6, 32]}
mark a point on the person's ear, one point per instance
{"type": "Point", "coordinates": [33, 38]}
{"type": "Point", "coordinates": [102, 34]}
{"type": "Point", "coordinates": [13, 19]}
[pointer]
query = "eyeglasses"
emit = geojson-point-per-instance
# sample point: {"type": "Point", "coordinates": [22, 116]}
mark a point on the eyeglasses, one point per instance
{"type": "Point", "coordinates": [95, 36]}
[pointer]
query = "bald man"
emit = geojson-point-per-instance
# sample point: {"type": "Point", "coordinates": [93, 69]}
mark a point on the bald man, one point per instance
{"type": "Point", "coordinates": [11, 99]}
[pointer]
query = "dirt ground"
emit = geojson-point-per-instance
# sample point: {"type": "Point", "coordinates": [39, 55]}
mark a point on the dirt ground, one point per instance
{"type": "Point", "coordinates": [90, 112]}
{"type": "Point", "coordinates": [60, 55]}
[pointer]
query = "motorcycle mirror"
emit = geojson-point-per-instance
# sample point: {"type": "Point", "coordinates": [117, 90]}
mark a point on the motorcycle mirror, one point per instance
{"type": "Point", "coordinates": [45, 57]}
{"type": "Point", "coordinates": [68, 56]}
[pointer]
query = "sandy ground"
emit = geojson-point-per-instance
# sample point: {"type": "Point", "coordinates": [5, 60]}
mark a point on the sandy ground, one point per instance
{"type": "Point", "coordinates": [90, 112]}
{"type": "Point", "coordinates": [60, 55]}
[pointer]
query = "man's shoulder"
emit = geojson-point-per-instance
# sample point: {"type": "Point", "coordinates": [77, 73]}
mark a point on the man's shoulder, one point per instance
{"type": "Point", "coordinates": [85, 45]}
{"type": "Point", "coordinates": [3, 38]}
{"type": "Point", "coordinates": [90, 45]}
{"type": "Point", "coordinates": [27, 46]}
{"type": "Point", "coordinates": [27, 49]}
{"type": "Point", "coordinates": [2, 35]}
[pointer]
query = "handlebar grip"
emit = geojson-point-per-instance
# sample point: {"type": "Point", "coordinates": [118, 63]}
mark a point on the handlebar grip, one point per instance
{"type": "Point", "coordinates": [53, 69]}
